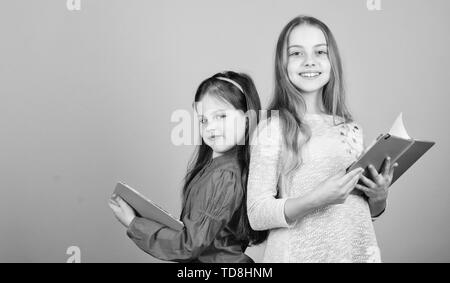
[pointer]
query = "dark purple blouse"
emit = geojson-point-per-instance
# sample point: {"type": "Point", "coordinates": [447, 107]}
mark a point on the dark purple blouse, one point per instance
{"type": "Point", "coordinates": [210, 217]}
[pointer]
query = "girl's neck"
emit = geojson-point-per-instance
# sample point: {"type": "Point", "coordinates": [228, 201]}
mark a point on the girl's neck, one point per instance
{"type": "Point", "coordinates": [216, 154]}
{"type": "Point", "coordinates": [313, 102]}
{"type": "Point", "coordinates": [231, 151]}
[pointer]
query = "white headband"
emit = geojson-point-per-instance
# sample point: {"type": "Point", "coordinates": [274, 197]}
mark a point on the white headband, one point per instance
{"type": "Point", "coordinates": [232, 82]}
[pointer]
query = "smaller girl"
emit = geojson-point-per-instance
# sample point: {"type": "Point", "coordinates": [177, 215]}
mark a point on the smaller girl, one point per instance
{"type": "Point", "coordinates": [214, 195]}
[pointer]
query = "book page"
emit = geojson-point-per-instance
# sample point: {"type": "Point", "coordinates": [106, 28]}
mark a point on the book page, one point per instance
{"type": "Point", "coordinates": [398, 128]}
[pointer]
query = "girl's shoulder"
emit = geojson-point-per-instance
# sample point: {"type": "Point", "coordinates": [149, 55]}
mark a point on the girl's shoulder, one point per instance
{"type": "Point", "coordinates": [271, 123]}
{"type": "Point", "coordinates": [225, 168]}
{"type": "Point", "coordinates": [342, 122]}
{"type": "Point", "coordinates": [229, 169]}
{"type": "Point", "coordinates": [353, 131]}
{"type": "Point", "coordinates": [220, 189]}
{"type": "Point", "coordinates": [224, 182]}
{"type": "Point", "coordinates": [268, 131]}
{"type": "Point", "coordinates": [355, 127]}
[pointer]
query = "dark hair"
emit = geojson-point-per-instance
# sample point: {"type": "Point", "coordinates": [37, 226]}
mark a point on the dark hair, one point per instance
{"type": "Point", "coordinates": [250, 104]}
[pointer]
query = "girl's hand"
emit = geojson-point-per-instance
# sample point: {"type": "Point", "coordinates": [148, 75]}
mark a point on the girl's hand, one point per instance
{"type": "Point", "coordinates": [336, 189]}
{"type": "Point", "coordinates": [123, 212]}
{"type": "Point", "coordinates": [377, 188]}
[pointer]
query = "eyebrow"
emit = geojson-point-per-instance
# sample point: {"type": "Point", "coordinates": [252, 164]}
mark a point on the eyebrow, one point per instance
{"type": "Point", "coordinates": [214, 112]}
{"type": "Point", "coordinates": [317, 45]}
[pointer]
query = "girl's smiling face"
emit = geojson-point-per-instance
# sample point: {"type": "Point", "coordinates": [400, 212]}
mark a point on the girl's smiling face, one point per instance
{"type": "Point", "coordinates": [308, 65]}
{"type": "Point", "coordinates": [221, 125]}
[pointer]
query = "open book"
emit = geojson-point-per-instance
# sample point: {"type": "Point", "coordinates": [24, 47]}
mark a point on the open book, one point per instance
{"type": "Point", "coordinates": [398, 145]}
{"type": "Point", "coordinates": [145, 208]}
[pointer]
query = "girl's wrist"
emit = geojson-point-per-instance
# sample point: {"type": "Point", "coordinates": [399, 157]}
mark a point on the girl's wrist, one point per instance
{"type": "Point", "coordinates": [297, 208]}
{"type": "Point", "coordinates": [378, 200]}
{"type": "Point", "coordinates": [130, 221]}
{"type": "Point", "coordinates": [310, 202]}
{"type": "Point", "coordinates": [377, 206]}
{"type": "Point", "coordinates": [317, 200]}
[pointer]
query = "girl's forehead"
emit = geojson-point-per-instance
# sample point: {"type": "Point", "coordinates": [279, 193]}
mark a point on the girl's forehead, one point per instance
{"type": "Point", "coordinates": [306, 36]}
{"type": "Point", "coordinates": [212, 103]}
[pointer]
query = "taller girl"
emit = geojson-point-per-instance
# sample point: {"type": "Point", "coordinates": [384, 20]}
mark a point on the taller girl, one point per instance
{"type": "Point", "coordinates": [298, 187]}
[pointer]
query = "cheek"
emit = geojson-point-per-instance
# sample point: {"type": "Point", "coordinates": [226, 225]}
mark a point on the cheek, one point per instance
{"type": "Point", "coordinates": [292, 68]}
{"type": "Point", "coordinates": [325, 65]}
{"type": "Point", "coordinates": [326, 75]}
{"type": "Point", "coordinates": [202, 132]}
{"type": "Point", "coordinates": [236, 127]}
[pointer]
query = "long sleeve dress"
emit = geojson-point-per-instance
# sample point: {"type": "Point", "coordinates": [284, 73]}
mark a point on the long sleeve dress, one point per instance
{"type": "Point", "coordinates": [210, 216]}
{"type": "Point", "coordinates": [335, 233]}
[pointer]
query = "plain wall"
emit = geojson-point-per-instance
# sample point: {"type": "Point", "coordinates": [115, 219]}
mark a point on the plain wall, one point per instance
{"type": "Point", "coordinates": [87, 97]}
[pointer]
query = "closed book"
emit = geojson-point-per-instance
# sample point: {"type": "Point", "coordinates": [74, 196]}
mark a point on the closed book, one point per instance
{"type": "Point", "coordinates": [146, 208]}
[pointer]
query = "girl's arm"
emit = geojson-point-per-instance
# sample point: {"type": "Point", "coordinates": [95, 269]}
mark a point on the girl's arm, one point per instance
{"type": "Point", "coordinates": [265, 210]}
{"type": "Point", "coordinates": [297, 208]}
{"type": "Point", "coordinates": [377, 207]}
{"type": "Point", "coordinates": [214, 210]}
{"type": "Point", "coordinates": [334, 190]}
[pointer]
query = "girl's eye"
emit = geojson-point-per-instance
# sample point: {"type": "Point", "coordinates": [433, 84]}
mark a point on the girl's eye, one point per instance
{"type": "Point", "coordinates": [221, 116]}
{"type": "Point", "coordinates": [296, 53]}
{"type": "Point", "coordinates": [202, 120]}
{"type": "Point", "coordinates": [322, 52]}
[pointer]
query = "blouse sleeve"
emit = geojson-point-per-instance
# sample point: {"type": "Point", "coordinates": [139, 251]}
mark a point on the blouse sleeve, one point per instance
{"type": "Point", "coordinates": [213, 209]}
{"type": "Point", "coordinates": [265, 211]}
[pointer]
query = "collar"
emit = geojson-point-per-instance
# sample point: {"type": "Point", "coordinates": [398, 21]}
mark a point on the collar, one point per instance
{"type": "Point", "coordinates": [231, 154]}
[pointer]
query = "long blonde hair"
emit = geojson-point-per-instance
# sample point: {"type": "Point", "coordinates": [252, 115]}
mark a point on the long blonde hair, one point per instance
{"type": "Point", "coordinates": [288, 99]}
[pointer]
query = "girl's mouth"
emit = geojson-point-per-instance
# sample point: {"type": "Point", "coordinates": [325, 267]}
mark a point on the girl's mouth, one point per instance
{"type": "Point", "coordinates": [215, 137]}
{"type": "Point", "coordinates": [310, 75]}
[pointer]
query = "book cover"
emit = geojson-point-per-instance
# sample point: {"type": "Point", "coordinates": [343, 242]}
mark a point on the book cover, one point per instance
{"type": "Point", "coordinates": [398, 145]}
{"type": "Point", "coordinates": [146, 208]}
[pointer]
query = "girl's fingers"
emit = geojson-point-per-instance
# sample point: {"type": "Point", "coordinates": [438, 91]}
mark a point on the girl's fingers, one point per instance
{"type": "Point", "coordinates": [112, 202]}
{"type": "Point", "coordinates": [367, 182]}
{"type": "Point", "coordinates": [120, 201]}
{"type": "Point", "coordinates": [386, 167]}
{"type": "Point", "coordinates": [350, 176]}
{"type": "Point", "coordinates": [338, 175]}
{"type": "Point", "coordinates": [349, 186]}
{"type": "Point", "coordinates": [362, 188]}
{"type": "Point", "coordinates": [373, 172]}
{"type": "Point", "coordinates": [114, 208]}
{"type": "Point", "coordinates": [391, 171]}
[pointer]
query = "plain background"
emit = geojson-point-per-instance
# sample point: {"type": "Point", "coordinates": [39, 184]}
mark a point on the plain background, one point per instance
{"type": "Point", "coordinates": [87, 96]}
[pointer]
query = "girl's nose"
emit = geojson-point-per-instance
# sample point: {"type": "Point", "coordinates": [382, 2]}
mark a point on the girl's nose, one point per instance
{"type": "Point", "coordinates": [309, 61]}
{"type": "Point", "coordinates": [211, 126]}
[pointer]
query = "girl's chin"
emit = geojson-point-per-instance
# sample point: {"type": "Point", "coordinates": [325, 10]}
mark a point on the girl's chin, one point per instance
{"type": "Point", "coordinates": [309, 89]}
{"type": "Point", "coordinates": [310, 86]}
{"type": "Point", "coordinates": [221, 149]}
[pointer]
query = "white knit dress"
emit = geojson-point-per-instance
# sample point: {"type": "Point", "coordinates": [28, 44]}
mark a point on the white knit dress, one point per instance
{"type": "Point", "coordinates": [335, 233]}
